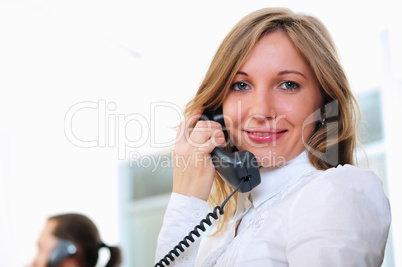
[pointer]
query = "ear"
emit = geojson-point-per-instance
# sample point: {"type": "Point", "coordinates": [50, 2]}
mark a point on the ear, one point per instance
{"type": "Point", "coordinates": [329, 110]}
{"type": "Point", "coordinates": [74, 260]}
{"type": "Point", "coordinates": [323, 114]}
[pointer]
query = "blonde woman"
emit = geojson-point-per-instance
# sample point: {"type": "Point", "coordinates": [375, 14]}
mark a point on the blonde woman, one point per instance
{"type": "Point", "coordinates": [286, 99]}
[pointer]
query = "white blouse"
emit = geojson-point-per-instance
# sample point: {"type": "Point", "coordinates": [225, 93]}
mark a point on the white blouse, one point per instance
{"type": "Point", "coordinates": [298, 216]}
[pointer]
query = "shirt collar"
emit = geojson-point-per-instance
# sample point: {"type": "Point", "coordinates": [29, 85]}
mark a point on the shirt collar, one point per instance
{"type": "Point", "coordinates": [274, 180]}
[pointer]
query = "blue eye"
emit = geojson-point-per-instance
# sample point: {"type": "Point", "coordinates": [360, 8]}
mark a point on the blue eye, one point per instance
{"type": "Point", "coordinates": [240, 86]}
{"type": "Point", "coordinates": [290, 86]}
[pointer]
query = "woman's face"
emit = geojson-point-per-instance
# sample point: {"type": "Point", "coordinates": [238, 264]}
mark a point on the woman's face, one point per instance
{"type": "Point", "coordinates": [271, 96]}
{"type": "Point", "coordinates": [46, 242]}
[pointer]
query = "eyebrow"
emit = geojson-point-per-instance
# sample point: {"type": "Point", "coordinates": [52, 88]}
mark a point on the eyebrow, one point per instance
{"type": "Point", "coordinates": [291, 71]}
{"type": "Point", "coordinates": [242, 73]}
{"type": "Point", "coordinates": [279, 73]}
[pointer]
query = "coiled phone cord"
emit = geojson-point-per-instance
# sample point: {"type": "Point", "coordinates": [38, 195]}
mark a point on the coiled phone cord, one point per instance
{"type": "Point", "coordinates": [201, 226]}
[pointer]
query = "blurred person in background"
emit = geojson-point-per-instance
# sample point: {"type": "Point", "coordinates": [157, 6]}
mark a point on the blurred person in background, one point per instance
{"type": "Point", "coordinates": [71, 240]}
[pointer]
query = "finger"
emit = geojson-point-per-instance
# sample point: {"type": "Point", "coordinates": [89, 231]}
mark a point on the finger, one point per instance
{"type": "Point", "coordinates": [208, 146]}
{"type": "Point", "coordinates": [183, 131]}
{"type": "Point", "coordinates": [204, 130]}
{"type": "Point", "coordinates": [192, 120]}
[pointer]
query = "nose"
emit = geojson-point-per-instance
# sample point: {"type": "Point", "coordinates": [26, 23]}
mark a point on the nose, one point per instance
{"type": "Point", "coordinates": [263, 105]}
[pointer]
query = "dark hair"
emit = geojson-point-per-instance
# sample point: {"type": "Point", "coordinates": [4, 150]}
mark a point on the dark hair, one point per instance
{"type": "Point", "coordinates": [83, 233]}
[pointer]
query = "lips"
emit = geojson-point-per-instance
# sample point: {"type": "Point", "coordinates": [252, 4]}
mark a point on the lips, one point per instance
{"type": "Point", "coordinates": [264, 135]}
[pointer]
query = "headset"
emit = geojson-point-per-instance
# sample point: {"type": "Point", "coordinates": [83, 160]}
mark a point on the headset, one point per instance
{"type": "Point", "coordinates": [64, 249]}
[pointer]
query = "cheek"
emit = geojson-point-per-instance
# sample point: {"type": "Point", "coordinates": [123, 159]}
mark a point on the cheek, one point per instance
{"type": "Point", "coordinates": [294, 113]}
{"type": "Point", "coordinates": [302, 116]}
{"type": "Point", "coordinates": [307, 132]}
{"type": "Point", "coordinates": [230, 114]}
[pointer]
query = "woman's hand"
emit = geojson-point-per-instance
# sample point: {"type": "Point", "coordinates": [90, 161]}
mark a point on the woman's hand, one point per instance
{"type": "Point", "coordinates": [193, 171]}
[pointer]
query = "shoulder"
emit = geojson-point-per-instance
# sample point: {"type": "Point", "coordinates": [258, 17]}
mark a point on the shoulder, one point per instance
{"type": "Point", "coordinates": [346, 194]}
{"type": "Point", "coordinates": [343, 214]}
{"type": "Point", "coordinates": [348, 180]}
{"type": "Point", "coordinates": [350, 173]}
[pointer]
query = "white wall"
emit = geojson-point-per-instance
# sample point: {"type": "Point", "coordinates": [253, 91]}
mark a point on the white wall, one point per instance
{"type": "Point", "coordinates": [118, 57]}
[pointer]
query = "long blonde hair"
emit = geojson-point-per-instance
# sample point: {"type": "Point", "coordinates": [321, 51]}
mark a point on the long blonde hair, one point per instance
{"type": "Point", "coordinates": [330, 145]}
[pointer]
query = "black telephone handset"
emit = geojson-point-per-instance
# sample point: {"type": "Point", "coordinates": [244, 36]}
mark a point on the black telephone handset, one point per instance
{"type": "Point", "coordinates": [239, 170]}
{"type": "Point", "coordinates": [236, 166]}
{"type": "Point", "coordinates": [63, 250]}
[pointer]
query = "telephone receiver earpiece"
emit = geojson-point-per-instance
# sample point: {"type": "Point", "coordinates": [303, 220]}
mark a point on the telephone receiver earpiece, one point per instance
{"type": "Point", "coordinates": [63, 250]}
{"type": "Point", "coordinates": [236, 166]}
